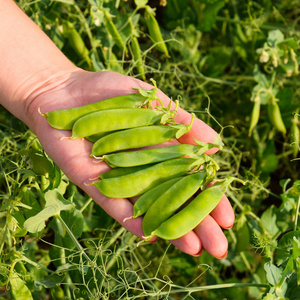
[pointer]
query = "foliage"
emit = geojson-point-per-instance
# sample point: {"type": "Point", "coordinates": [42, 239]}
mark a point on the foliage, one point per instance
{"type": "Point", "coordinates": [223, 56]}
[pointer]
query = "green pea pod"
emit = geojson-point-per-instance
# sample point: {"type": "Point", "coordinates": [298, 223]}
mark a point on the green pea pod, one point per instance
{"type": "Point", "coordinates": [136, 52]}
{"type": "Point", "coordinates": [102, 121]}
{"type": "Point", "coordinates": [65, 118]}
{"type": "Point", "coordinates": [171, 200]}
{"type": "Point", "coordinates": [19, 289]}
{"type": "Point", "coordinates": [117, 172]}
{"type": "Point", "coordinates": [147, 156]}
{"type": "Point", "coordinates": [95, 137]}
{"type": "Point", "coordinates": [57, 293]}
{"type": "Point", "coordinates": [295, 135]}
{"type": "Point", "coordinates": [254, 116]}
{"type": "Point", "coordinates": [76, 41]}
{"type": "Point", "coordinates": [154, 31]}
{"type": "Point", "coordinates": [138, 137]}
{"type": "Point", "coordinates": [143, 203]}
{"type": "Point", "coordinates": [139, 182]}
{"type": "Point", "coordinates": [133, 138]}
{"type": "Point", "coordinates": [275, 116]}
{"type": "Point", "coordinates": [113, 31]}
{"type": "Point", "coordinates": [191, 215]}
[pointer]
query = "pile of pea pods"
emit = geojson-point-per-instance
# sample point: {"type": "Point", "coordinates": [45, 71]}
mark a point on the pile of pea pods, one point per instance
{"type": "Point", "coordinates": [165, 178]}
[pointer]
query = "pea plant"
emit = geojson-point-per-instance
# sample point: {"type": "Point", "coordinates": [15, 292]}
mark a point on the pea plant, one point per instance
{"type": "Point", "coordinates": [233, 64]}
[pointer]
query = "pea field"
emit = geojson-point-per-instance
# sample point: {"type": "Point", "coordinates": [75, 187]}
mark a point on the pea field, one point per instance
{"type": "Point", "coordinates": [233, 64]}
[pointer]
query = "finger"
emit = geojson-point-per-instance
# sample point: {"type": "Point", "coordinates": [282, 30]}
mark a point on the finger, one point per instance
{"type": "Point", "coordinates": [189, 244]}
{"type": "Point", "coordinates": [224, 214]}
{"type": "Point", "coordinates": [212, 237]}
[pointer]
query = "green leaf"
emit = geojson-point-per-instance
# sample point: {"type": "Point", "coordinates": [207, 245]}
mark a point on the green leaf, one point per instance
{"type": "Point", "coordinates": [39, 163]}
{"type": "Point", "coordinates": [50, 281]}
{"type": "Point", "coordinates": [275, 37]}
{"type": "Point", "coordinates": [75, 221]}
{"type": "Point", "coordinates": [139, 3]}
{"type": "Point", "coordinates": [269, 219]}
{"type": "Point", "coordinates": [274, 274]}
{"type": "Point", "coordinates": [208, 16]}
{"type": "Point", "coordinates": [55, 203]}
{"type": "Point", "coordinates": [286, 246]}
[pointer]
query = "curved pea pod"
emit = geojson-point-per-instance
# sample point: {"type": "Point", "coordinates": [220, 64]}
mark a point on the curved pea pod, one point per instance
{"type": "Point", "coordinates": [147, 156]}
{"type": "Point", "coordinates": [254, 116]}
{"type": "Point", "coordinates": [275, 116]}
{"type": "Point", "coordinates": [138, 137]}
{"type": "Point", "coordinates": [139, 182]}
{"type": "Point", "coordinates": [144, 202]}
{"type": "Point", "coordinates": [113, 31]}
{"type": "Point", "coordinates": [65, 118]}
{"type": "Point", "coordinates": [191, 215]}
{"type": "Point", "coordinates": [295, 135]}
{"type": "Point", "coordinates": [154, 31]}
{"type": "Point", "coordinates": [103, 121]}
{"type": "Point", "coordinates": [76, 41]}
{"type": "Point", "coordinates": [171, 200]}
{"type": "Point", "coordinates": [136, 52]}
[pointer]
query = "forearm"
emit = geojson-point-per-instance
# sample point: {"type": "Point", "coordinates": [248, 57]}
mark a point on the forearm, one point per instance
{"type": "Point", "coordinates": [29, 61]}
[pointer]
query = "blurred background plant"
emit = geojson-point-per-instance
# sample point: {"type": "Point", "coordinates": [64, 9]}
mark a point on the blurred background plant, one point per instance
{"type": "Point", "coordinates": [234, 64]}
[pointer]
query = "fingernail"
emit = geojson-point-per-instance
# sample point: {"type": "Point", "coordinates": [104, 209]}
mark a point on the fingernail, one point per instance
{"type": "Point", "coordinates": [228, 227]}
{"type": "Point", "coordinates": [198, 254]}
{"type": "Point", "coordinates": [223, 256]}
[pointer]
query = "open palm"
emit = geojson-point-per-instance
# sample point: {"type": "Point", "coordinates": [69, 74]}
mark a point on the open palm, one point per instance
{"type": "Point", "coordinates": [73, 156]}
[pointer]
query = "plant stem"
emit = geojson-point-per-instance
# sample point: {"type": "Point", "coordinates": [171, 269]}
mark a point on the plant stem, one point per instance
{"type": "Point", "coordinates": [297, 213]}
{"type": "Point", "coordinates": [75, 241]}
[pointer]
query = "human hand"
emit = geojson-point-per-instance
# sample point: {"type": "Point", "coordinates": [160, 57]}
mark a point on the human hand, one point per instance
{"type": "Point", "coordinates": [73, 156]}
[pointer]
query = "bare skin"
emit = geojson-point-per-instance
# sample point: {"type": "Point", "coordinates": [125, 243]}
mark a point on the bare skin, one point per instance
{"type": "Point", "coordinates": [38, 76]}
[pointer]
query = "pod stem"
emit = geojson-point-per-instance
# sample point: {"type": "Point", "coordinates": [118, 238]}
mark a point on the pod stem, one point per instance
{"type": "Point", "coordinates": [207, 146]}
{"type": "Point", "coordinates": [147, 238]}
{"type": "Point", "coordinates": [128, 218]}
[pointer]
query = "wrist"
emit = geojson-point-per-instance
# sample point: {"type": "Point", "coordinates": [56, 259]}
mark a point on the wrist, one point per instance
{"type": "Point", "coordinates": [30, 62]}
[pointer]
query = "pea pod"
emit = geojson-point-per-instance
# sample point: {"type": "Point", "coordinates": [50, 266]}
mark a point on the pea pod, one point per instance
{"type": "Point", "coordinates": [65, 118]}
{"type": "Point", "coordinates": [143, 203]}
{"type": "Point", "coordinates": [154, 31]}
{"type": "Point", "coordinates": [136, 52]}
{"type": "Point", "coordinates": [76, 41]}
{"type": "Point", "coordinates": [103, 121]}
{"type": "Point", "coordinates": [191, 215]}
{"type": "Point", "coordinates": [254, 116]}
{"type": "Point", "coordinates": [295, 135]}
{"type": "Point", "coordinates": [275, 116]}
{"type": "Point", "coordinates": [147, 156]}
{"type": "Point", "coordinates": [113, 31]}
{"type": "Point", "coordinates": [171, 200]}
{"type": "Point", "coordinates": [138, 137]}
{"type": "Point", "coordinates": [139, 182]}
{"type": "Point", "coordinates": [117, 172]}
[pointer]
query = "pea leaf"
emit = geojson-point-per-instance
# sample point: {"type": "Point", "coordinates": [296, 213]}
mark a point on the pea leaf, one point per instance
{"type": "Point", "coordinates": [75, 221]}
{"type": "Point", "coordinates": [274, 274]}
{"type": "Point", "coordinates": [50, 281]}
{"type": "Point", "coordinates": [208, 16]}
{"type": "Point", "coordinates": [55, 203]}
{"type": "Point", "coordinates": [275, 37]}
{"type": "Point", "coordinates": [287, 247]}
{"type": "Point", "coordinates": [269, 219]}
{"type": "Point", "coordinates": [140, 2]}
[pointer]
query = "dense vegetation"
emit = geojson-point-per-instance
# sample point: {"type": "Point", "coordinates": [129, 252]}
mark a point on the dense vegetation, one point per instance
{"type": "Point", "coordinates": [232, 63]}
